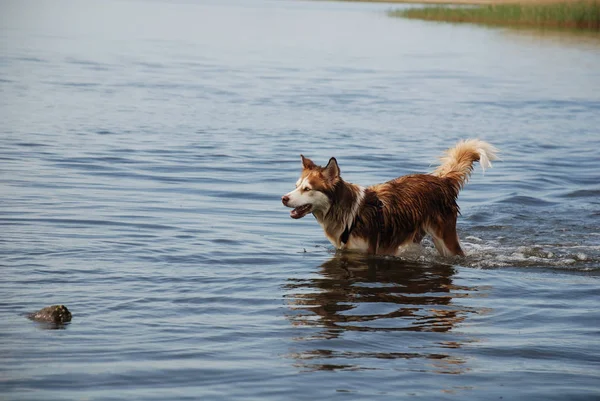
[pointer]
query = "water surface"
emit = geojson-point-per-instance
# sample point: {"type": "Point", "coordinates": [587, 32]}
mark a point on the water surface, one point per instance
{"type": "Point", "coordinates": [144, 149]}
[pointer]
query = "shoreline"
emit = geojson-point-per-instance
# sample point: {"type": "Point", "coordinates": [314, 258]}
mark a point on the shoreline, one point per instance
{"type": "Point", "coordinates": [461, 2]}
{"type": "Point", "coordinates": [570, 15]}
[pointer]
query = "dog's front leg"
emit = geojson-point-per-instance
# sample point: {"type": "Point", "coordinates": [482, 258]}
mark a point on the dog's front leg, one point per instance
{"type": "Point", "coordinates": [373, 245]}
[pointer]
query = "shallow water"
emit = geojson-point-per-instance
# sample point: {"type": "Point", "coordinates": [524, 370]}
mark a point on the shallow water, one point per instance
{"type": "Point", "coordinates": [144, 150]}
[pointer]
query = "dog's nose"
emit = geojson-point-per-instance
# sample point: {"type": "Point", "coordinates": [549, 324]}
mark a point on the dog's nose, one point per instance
{"type": "Point", "coordinates": [285, 199]}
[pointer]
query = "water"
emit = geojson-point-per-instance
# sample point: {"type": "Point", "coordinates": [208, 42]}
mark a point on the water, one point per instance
{"type": "Point", "coordinates": [145, 147]}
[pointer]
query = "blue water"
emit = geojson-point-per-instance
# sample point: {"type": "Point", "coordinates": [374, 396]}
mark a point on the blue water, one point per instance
{"type": "Point", "coordinates": [144, 149]}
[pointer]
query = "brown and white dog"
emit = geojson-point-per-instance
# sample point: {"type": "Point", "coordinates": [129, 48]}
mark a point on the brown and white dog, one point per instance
{"type": "Point", "coordinates": [382, 218]}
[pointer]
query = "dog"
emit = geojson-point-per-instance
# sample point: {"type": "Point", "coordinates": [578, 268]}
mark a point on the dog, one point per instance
{"type": "Point", "coordinates": [383, 218]}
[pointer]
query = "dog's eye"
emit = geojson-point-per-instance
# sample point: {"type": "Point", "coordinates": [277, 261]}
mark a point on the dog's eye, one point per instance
{"type": "Point", "coordinates": [306, 188]}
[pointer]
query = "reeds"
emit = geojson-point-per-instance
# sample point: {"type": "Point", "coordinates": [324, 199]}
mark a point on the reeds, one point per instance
{"type": "Point", "coordinates": [570, 15]}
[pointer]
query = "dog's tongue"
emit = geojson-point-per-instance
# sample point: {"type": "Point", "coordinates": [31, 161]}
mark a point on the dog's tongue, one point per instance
{"type": "Point", "coordinates": [300, 212]}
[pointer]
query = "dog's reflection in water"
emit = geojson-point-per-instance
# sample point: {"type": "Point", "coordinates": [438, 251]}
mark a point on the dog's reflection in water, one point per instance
{"type": "Point", "coordinates": [363, 309]}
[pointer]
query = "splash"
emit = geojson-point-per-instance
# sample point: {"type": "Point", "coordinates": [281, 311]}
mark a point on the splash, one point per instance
{"type": "Point", "coordinates": [496, 253]}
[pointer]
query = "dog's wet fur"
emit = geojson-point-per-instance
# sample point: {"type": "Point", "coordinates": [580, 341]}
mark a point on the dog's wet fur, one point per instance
{"type": "Point", "coordinates": [383, 218]}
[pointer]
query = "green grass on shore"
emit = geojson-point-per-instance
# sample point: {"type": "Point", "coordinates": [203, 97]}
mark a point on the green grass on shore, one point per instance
{"type": "Point", "coordinates": [571, 15]}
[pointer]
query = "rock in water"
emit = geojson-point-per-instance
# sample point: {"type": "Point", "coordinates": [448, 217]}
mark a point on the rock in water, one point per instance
{"type": "Point", "coordinates": [52, 314]}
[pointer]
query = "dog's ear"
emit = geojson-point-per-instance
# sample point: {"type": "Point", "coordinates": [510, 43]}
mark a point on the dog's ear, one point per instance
{"type": "Point", "coordinates": [332, 170]}
{"type": "Point", "coordinates": [307, 163]}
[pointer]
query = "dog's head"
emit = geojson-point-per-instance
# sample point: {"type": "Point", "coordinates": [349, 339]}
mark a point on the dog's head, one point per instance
{"type": "Point", "coordinates": [313, 189]}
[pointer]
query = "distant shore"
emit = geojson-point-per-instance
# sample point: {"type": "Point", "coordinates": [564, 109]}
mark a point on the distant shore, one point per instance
{"type": "Point", "coordinates": [562, 14]}
{"type": "Point", "coordinates": [571, 14]}
{"type": "Point", "coordinates": [462, 2]}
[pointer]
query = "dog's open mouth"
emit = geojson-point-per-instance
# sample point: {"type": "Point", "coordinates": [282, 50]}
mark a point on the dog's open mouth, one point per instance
{"type": "Point", "coordinates": [300, 211]}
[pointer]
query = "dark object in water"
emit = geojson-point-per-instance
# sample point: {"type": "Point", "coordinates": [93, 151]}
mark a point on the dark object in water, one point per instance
{"type": "Point", "coordinates": [52, 314]}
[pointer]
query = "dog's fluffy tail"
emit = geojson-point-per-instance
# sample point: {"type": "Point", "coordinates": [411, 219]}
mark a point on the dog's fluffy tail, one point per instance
{"type": "Point", "coordinates": [457, 162]}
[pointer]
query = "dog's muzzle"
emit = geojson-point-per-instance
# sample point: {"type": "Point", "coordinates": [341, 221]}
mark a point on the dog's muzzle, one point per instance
{"type": "Point", "coordinates": [298, 212]}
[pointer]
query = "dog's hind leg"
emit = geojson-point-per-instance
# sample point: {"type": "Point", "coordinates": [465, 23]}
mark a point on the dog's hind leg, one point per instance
{"type": "Point", "coordinates": [445, 239]}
